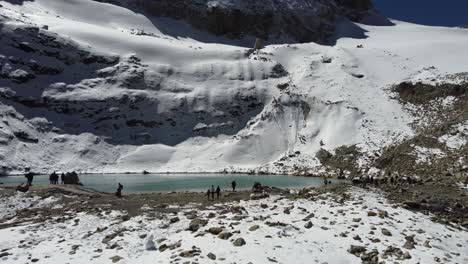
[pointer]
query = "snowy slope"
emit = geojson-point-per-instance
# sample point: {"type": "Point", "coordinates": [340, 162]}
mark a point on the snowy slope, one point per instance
{"type": "Point", "coordinates": [316, 230]}
{"type": "Point", "coordinates": [122, 101]}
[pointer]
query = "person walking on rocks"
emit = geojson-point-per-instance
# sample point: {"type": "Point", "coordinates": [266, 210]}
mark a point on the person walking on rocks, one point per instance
{"type": "Point", "coordinates": [208, 193]}
{"type": "Point", "coordinates": [233, 185]}
{"type": "Point", "coordinates": [212, 192]}
{"type": "Point", "coordinates": [29, 176]}
{"type": "Point", "coordinates": [62, 177]}
{"type": "Point", "coordinates": [119, 191]}
{"type": "Point", "coordinates": [218, 192]}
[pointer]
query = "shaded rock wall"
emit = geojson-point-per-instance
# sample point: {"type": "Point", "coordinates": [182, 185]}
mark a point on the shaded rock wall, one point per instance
{"type": "Point", "coordinates": [300, 20]}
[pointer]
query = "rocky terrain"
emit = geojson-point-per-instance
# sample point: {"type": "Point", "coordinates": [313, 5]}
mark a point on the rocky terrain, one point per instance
{"type": "Point", "coordinates": [59, 224]}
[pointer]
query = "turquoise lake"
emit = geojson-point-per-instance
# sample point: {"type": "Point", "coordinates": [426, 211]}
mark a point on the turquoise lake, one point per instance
{"type": "Point", "coordinates": [134, 183]}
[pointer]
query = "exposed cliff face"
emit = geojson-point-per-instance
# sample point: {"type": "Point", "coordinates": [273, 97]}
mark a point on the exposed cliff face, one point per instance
{"type": "Point", "coordinates": [299, 20]}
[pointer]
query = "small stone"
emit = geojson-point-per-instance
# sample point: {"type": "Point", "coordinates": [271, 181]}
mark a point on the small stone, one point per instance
{"type": "Point", "coordinates": [163, 247]}
{"type": "Point", "coordinates": [409, 242]}
{"type": "Point", "coordinates": [427, 244]}
{"type": "Point", "coordinates": [239, 242]}
{"type": "Point", "coordinates": [190, 253]}
{"type": "Point", "coordinates": [211, 256]}
{"type": "Point", "coordinates": [385, 232]}
{"type": "Point", "coordinates": [195, 224]}
{"type": "Point", "coordinates": [356, 220]}
{"type": "Point", "coordinates": [406, 255]}
{"type": "Point", "coordinates": [174, 220]}
{"type": "Point", "coordinates": [383, 214]}
{"type": "Point", "coordinates": [115, 259]}
{"type": "Point", "coordinates": [4, 254]}
{"type": "Point", "coordinates": [254, 228]}
{"type": "Point", "coordinates": [371, 213]}
{"type": "Point", "coordinates": [356, 250]}
{"type": "Point", "coordinates": [308, 225]}
{"type": "Point", "coordinates": [225, 235]}
{"type": "Point", "coordinates": [310, 216]}
{"type": "Point", "coordinates": [211, 215]}
{"type": "Point", "coordinates": [215, 230]}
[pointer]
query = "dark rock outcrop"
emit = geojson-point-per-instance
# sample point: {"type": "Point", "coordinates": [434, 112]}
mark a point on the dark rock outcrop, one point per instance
{"type": "Point", "coordinates": [301, 20]}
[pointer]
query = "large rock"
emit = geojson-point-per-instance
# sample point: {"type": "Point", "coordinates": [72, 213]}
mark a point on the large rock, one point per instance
{"type": "Point", "coordinates": [357, 250]}
{"type": "Point", "coordinates": [215, 230]}
{"type": "Point", "coordinates": [239, 242]}
{"type": "Point", "coordinates": [225, 235]}
{"type": "Point", "coordinates": [195, 224]}
{"type": "Point", "coordinates": [385, 232]}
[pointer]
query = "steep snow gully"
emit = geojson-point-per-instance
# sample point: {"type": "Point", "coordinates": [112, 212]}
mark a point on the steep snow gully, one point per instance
{"type": "Point", "coordinates": [97, 87]}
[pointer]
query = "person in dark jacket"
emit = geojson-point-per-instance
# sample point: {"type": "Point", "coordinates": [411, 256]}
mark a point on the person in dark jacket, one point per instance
{"type": "Point", "coordinates": [218, 192]}
{"type": "Point", "coordinates": [29, 176]}
{"type": "Point", "coordinates": [51, 179]}
{"type": "Point", "coordinates": [233, 185]}
{"type": "Point", "coordinates": [212, 191]}
{"type": "Point", "coordinates": [119, 190]}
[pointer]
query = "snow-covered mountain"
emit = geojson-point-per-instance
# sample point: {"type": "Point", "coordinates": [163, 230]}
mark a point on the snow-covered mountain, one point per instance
{"type": "Point", "coordinates": [119, 87]}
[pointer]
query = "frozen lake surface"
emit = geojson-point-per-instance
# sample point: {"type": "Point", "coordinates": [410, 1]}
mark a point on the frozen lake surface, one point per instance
{"type": "Point", "coordinates": [176, 182]}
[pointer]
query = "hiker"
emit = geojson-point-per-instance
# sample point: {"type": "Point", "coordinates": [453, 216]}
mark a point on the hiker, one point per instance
{"type": "Point", "coordinates": [218, 192]}
{"type": "Point", "coordinates": [212, 192]}
{"type": "Point", "coordinates": [325, 181]}
{"type": "Point", "coordinates": [51, 179]}
{"type": "Point", "coordinates": [29, 176]}
{"type": "Point", "coordinates": [233, 184]}
{"type": "Point", "coordinates": [62, 178]}
{"type": "Point", "coordinates": [208, 193]}
{"type": "Point", "coordinates": [119, 191]}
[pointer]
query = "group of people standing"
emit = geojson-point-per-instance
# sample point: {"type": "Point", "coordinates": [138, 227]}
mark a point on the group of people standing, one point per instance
{"type": "Point", "coordinates": [66, 178]}
{"type": "Point", "coordinates": [54, 177]}
{"type": "Point", "coordinates": [210, 193]}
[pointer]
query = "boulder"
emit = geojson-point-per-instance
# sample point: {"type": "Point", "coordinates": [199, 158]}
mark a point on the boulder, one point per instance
{"type": "Point", "coordinates": [254, 228]}
{"type": "Point", "coordinates": [215, 230]}
{"type": "Point", "coordinates": [174, 220]}
{"type": "Point", "coordinates": [211, 256]}
{"type": "Point", "coordinates": [239, 242]}
{"type": "Point", "coordinates": [225, 235]}
{"type": "Point", "coordinates": [385, 232]}
{"type": "Point", "coordinates": [371, 213]}
{"type": "Point", "coordinates": [116, 259]}
{"type": "Point", "coordinates": [196, 223]}
{"type": "Point", "coordinates": [357, 250]}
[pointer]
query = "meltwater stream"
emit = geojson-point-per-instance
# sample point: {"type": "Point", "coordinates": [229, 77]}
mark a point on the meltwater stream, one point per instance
{"type": "Point", "coordinates": [134, 183]}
